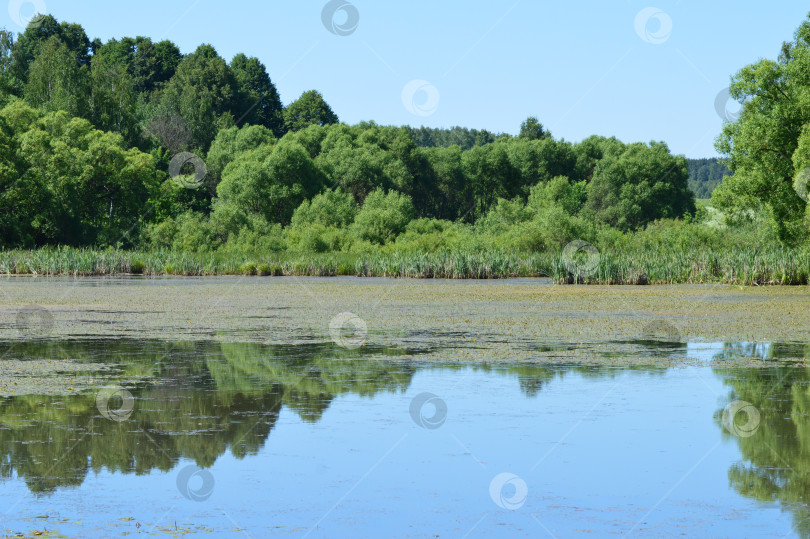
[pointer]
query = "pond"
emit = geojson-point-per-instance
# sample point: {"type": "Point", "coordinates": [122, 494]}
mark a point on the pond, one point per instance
{"type": "Point", "coordinates": [158, 437]}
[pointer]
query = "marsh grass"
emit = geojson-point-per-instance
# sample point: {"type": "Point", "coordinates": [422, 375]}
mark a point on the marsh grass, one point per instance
{"type": "Point", "coordinates": [772, 266]}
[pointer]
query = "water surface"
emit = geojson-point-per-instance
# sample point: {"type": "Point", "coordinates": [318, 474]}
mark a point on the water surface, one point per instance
{"type": "Point", "coordinates": [312, 440]}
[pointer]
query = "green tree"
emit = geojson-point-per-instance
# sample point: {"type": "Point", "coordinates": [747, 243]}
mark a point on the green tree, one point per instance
{"type": "Point", "coordinates": [705, 175]}
{"type": "Point", "coordinates": [311, 138]}
{"type": "Point", "coordinates": [592, 150]}
{"type": "Point", "coordinates": [12, 231]}
{"type": "Point", "coordinates": [358, 171]}
{"type": "Point", "coordinates": [362, 158]}
{"type": "Point", "coordinates": [540, 160]}
{"type": "Point", "coordinates": [558, 192]}
{"type": "Point", "coordinates": [503, 215]}
{"type": "Point", "coordinates": [383, 216]}
{"type": "Point", "coordinates": [202, 93]}
{"type": "Point", "coordinates": [271, 180]}
{"type": "Point", "coordinates": [490, 176]}
{"type": "Point", "coordinates": [641, 185]}
{"type": "Point", "coordinates": [309, 109]}
{"type": "Point", "coordinates": [404, 164]}
{"type": "Point", "coordinates": [763, 146]}
{"type": "Point", "coordinates": [448, 201]}
{"type": "Point", "coordinates": [79, 185]}
{"type": "Point", "coordinates": [532, 129]}
{"type": "Point", "coordinates": [28, 45]}
{"type": "Point", "coordinates": [7, 81]}
{"type": "Point", "coordinates": [230, 143]}
{"type": "Point", "coordinates": [332, 208]}
{"type": "Point", "coordinates": [112, 99]}
{"type": "Point", "coordinates": [151, 65]}
{"type": "Point", "coordinates": [259, 102]}
{"type": "Point", "coordinates": [427, 137]}
{"type": "Point", "coordinates": [57, 81]}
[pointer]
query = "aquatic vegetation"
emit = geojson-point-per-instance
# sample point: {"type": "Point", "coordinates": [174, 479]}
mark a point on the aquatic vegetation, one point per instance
{"type": "Point", "coordinates": [739, 265]}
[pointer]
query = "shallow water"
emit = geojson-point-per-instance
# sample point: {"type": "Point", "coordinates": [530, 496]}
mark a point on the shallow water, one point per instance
{"type": "Point", "coordinates": [313, 440]}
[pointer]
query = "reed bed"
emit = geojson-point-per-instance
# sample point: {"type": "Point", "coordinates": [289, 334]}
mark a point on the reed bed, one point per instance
{"type": "Point", "coordinates": [771, 266]}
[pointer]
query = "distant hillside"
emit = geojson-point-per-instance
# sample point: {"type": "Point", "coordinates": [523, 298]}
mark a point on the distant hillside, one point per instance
{"type": "Point", "coordinates": [428, 137]}
{"type": "Point", "coordinates": [705, 175]}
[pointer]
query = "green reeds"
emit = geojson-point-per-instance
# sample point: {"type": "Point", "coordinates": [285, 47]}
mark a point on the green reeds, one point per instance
{"type": "Point", "coordinates": [771, 266]}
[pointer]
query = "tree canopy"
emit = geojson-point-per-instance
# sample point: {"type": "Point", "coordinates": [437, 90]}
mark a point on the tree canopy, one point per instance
{"type": "Point", "coordinates": [88, 131]}
{"type": "Point", "coordinates": [768, 147]}
{"type": "Point", "coordinates": [309, 109]}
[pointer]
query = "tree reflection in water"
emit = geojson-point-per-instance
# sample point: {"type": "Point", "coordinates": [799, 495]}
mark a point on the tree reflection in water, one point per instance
{"type": "Point", "coordinates": [775, 465]}
{"type": "Point", "coordinates": [196, 401]}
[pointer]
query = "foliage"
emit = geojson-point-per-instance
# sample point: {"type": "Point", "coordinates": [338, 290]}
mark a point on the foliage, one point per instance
{"type": "Point", "coordinates": [258, 99]}
{"type": "Point", "coordinates": [113, 101]}
{"type": "Point", "coordinates": [28, 46]}
{"type": "Point", "coordinates": [231, 142]}
{"type": "Point", "coordinates": [332, 208]}
{"type": "Point", "coordinates": [271, 180]}
{"type": "Point", "coordinates": [7, 81]}
{"type": "Point", "coordinates": [383, 216]}
{"type": "Point", "coordinates": [88, 130]}
{"type": "Point", "coordinates": [641, 184]}
{"type": "Point", "coordinates": [56, 81]}
{"type": "Point", "coordinates": [705, 175]}
{"type": "Point", "coordinates": [532, 129]}
{"type": "Point", "coordinates": [202, 93]}
{"type": "Point", "coordinates": [462, 137]}
{"type": "Point", "coordinates": [309, 109]}
{"type": "Point", "coordinates": [150, 65]}
{"type": "Point", "coordinates": [764, 146]}
{"type": "Point", "coordinates": [73, 185]}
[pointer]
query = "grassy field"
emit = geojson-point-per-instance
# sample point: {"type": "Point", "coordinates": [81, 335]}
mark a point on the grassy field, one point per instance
{"type": "Point", "coordinates": [742, 266]}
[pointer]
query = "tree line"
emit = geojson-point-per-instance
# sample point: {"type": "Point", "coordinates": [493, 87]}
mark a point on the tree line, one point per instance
{"type": "Point", "coordinates": [88, 131]}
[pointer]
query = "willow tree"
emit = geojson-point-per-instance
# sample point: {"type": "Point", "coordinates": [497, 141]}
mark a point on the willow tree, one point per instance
{"type": "Point", "coordinates": [768, 147]}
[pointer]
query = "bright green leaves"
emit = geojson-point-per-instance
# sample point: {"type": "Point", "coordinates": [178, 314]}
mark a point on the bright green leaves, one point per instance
{"type": "Point", "coordinates": [74, 185]}
{"type": "Point", "coordinates": [383, 216]}
{"type": "Point", "coordinates": [309, 109]}
{"type": "Point", "coordinates": [638, 186]}
{"type": "Point", "coordinates": [271, 180]}
{"type": "Point", "coordinates": [764, 146]}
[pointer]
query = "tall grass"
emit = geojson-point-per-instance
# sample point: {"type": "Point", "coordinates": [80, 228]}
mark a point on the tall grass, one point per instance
{"type": "Point", "coordinates": [678, 265]}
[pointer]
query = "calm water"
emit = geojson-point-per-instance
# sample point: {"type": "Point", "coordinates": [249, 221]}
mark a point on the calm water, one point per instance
{"type": "Point", "coordinates": [315, 441]}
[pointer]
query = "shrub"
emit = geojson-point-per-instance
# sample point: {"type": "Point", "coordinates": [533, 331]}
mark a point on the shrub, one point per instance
{"type": "Point", "coordinates": [137, 267]}
{"type": "Point", "coordinates": [559, 191]}
{"type": "Point", "coordinates": [160, 235]}
{"type": "Point", "coordinates": [227, 220]}
{"type": "Point", "coordinates": [257, 237]}
{"type": "Point", "coordinates": [329, 209]}
{"type": "Point", "coordinates": [248, 268]}
{"type": "Point", "coordinates": [193, 233]}
{"type": "Point", "coordinates": [503, 215]}
{"type": "Point", "coordinates": [383, 216]}
{"type": "Point", "coordinates": [430, 235]}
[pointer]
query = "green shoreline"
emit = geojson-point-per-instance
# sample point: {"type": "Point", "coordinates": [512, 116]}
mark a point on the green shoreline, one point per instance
{"type": "Point", "coordinates": [735, 266]}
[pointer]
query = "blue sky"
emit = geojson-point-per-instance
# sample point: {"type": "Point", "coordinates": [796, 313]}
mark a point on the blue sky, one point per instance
{"type": "Point", "coordinates": [583, 68]}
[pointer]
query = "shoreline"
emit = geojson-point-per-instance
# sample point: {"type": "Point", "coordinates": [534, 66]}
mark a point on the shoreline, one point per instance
{"type": "Point", "coordinates": [738, 266]}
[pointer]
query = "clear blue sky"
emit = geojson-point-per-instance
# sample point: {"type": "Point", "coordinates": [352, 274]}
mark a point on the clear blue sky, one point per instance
{"type": "Point", "coordinates": [581, 67]}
